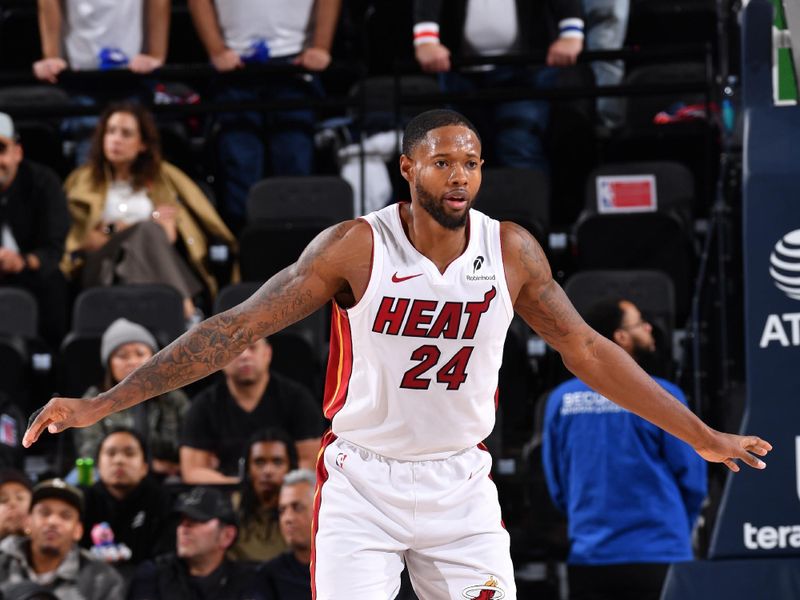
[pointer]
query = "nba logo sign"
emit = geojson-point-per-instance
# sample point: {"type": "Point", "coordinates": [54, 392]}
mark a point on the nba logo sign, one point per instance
{"type": "Point", "coordinates": [626, 193]}
{"type": "Point", "coordinates": [8, 431]}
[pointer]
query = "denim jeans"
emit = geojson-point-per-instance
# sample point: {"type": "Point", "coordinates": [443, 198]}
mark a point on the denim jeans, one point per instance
{"type": "Point", "coordinates": [242, 135]}
{"type": "Point", "coordinates": [606, 28]}
{"type": "Point", "coordinates": [513, 131]}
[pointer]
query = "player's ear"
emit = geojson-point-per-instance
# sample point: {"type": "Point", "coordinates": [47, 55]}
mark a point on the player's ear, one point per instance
{"type": "Point", "coordinates": [407, 168]}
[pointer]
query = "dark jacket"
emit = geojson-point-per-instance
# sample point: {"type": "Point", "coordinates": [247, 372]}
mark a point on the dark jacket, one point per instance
{"type": "Point", "coordinates": [167, 578]}
{"type": "Point", "coordinates": [538, 21]}
{"type": "Point", "coordinates": [35, 208]}
{"type": "Point", "coordinates": [143, 521]}
{"type": "Point", "coordinates": [78, 577]}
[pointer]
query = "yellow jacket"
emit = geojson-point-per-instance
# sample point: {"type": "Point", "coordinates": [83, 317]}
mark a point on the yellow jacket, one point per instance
{"type": "Point", "coordinates": [197, 219]}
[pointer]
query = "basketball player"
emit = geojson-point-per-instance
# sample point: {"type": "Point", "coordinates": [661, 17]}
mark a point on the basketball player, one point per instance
{"type": "Point", "coordinates": [423, 293]}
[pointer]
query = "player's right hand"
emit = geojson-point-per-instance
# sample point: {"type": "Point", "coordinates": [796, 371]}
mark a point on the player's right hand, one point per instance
{"type": "Point", "coordinates": [227, 60]}
{"type": "Point", "coordinates": [48, 69]}
{"type": "Point", "coordinates": [433, 57]}
{"type": "Point", "coordinates": [60, 414]}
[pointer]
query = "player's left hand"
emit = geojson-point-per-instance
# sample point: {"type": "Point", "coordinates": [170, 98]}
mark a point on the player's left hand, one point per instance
{"type": "Point", "coordinates": [564, 52]}
{"type": "Point", "coordinates": [726, 448]}
{"type": "Point", "coordinates": [144, 63]}
{"type": "Point", "coordinates": [60, 414]}
{"type": "Point", "coordinates": [314, 59]}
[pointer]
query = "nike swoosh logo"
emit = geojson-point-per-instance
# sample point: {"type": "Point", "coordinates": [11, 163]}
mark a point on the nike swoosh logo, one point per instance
{"type": "Point", "coordinates": [396, 279]}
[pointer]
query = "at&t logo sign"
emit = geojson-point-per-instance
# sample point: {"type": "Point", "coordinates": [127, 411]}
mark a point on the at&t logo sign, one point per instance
{"type": "Point", "coordinates": [784, 268]}
{"type": "Point", "coordinates": [784, 264]}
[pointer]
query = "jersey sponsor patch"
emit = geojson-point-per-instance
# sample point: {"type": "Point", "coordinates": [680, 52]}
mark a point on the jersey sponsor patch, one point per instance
{"type": "Point", "coordinates": [626, 193]}
{"type": "Point", "coordinates": [476, 274]}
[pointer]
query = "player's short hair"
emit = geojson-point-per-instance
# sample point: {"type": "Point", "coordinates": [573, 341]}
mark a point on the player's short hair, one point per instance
{"type": "Point", "coordinates": [418, 128]}
{"type": "Point", "coordinates": [605, 316]}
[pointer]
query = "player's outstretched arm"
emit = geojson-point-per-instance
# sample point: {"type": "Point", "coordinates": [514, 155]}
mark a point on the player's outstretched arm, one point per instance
{"type": "Point", "coordinates": [318, 275]}
{"type": "Point", "coordinates": [603, 365]}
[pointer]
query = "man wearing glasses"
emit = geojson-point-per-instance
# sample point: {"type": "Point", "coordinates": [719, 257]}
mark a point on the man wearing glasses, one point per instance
{"type": "Point", "coordinates": [631, 492]}
{"type": "Point", "coordinates": [33, 225]}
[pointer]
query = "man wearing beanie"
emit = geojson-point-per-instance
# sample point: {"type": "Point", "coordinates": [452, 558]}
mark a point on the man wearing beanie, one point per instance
{"type": "Point", "coordinates": [33, 226]}
{"type": "Point", "coordinates": [50, 555]}
{"type": "Point", "coordinates": [126, 345]}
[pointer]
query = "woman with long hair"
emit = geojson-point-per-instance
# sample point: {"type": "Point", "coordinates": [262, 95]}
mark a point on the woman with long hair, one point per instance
{"type": "Point", "coordinates": [135, 217]}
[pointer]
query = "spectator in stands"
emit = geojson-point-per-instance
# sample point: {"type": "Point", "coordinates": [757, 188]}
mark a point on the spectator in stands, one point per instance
{"type": "Point", "coordinates": [126, 345]}
{"type": "Point", "coordinates": [238, 33]}
{"type": "Point", "coordinates": [606, 28]}
{"type": "Point", "coordinates": [271, 454]}
{"type": "Point", "coordinates": [33, 225]}
{"type": "Point", "coordinates": [101, 34]}
{"type": "Point", "coordinates": [12, 426]}
{"type": "Point", "coordinates": [199, 569]}
{"type": "Point", "coordinates": [222, 418]}
{"type": "Point", "coordinates": [487, 28]}
{"type": "Point", "coordinates": [137, 218]}
{"type": "Point", "coordinates": [137, 509]}
{"type": "Point", "coordinates": [288, 577]}
{"type": "Point", "coordinates": [15, 502]}
{"type": "Point", "coordinates": [51, 556]}
{"type": "Point", "coordinates": [631, 492]}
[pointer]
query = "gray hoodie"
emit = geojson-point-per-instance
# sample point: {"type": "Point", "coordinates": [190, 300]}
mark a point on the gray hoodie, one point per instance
{"type": "Point", "coordinates": [78, 577]}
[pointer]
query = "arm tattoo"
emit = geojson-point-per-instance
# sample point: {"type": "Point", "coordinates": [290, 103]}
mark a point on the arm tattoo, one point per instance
{"type": "Point", "coordinates": [284, 299]}
{"type": "Point", "coordinates": [542, 300]}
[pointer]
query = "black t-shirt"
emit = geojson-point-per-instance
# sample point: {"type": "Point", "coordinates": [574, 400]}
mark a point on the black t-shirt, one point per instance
{"type": "Point", "coordinates": [217, 424]}
{"type": "Point", "coordinates": [143, 520]}
{"type": "Point", "coordinates": [285, 578]}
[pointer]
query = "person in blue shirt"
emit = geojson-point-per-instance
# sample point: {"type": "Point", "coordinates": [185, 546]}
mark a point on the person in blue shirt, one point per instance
{"type": "Point", "coordinates": [631, 492]}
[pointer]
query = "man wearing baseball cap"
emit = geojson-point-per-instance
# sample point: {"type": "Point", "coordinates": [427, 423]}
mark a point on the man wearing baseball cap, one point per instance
{"type": "Point", "coordinates": [200, 568]}
{"type": "Point", "coordinates": [50, 555]}
{"type": "Point", "coordinates": [33, 226]}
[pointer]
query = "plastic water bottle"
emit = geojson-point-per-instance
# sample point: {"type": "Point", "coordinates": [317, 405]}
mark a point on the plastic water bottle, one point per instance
{"type": "Point", "coordinates": [111, 58]}
{"type": "Point", "coordinates": [258, 52]}
{"type": "Point", "coordinates": [85, 468]}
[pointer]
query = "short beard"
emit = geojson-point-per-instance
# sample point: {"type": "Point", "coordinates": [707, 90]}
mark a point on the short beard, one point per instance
{"type": "Point", "coordinates": [435, 209]}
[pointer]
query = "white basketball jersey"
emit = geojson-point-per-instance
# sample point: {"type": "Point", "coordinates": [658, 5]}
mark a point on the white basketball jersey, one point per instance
{"type": "Point", "coordinates": [412, 373]}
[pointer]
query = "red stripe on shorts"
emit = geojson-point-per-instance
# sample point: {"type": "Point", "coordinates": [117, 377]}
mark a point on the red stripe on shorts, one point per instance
{"type": "Point", "coordinates": [322, 477]}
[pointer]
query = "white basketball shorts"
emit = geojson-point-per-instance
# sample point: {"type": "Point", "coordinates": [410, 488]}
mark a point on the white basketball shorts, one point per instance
{"type": "Point", "coordinates": [440, 517]}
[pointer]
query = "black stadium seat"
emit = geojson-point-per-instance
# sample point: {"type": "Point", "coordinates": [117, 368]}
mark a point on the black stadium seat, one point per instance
{"type": "Point", "coordinates": [659, 238]}
{"type": "Point", "coordinates": [284, 214]}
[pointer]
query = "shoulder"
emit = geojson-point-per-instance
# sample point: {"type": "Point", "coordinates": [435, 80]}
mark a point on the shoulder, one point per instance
{"type": "Point", "coordinates": [213, 394]}
{"type": "Point", "coordinates": [41, 175]}
{"type": "Point", "coordinates": [354, 234]}
{"type": "Point", "coordinates": [80, 176]}
{"type": "Point", "coordinates": [286, 388]}
{"type": "Point", "coordinates": [523, 257]}
{"type": "Point", "coordinates": [173, 173]}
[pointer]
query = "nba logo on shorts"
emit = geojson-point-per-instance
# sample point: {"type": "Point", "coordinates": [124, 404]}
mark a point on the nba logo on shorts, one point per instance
{"type": "Point", "coordinates": [487, 591]}
{"type": "Point", "coordinates": [340, 458]}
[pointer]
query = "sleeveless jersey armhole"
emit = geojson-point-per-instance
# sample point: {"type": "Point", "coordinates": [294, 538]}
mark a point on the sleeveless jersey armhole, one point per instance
{"type": "Point", "coordinates": [502, 282]}
{"type": "Point", "coordinates": [375, 270]}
